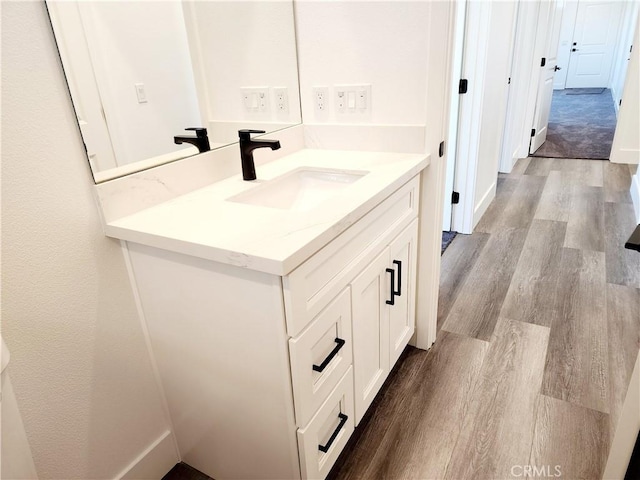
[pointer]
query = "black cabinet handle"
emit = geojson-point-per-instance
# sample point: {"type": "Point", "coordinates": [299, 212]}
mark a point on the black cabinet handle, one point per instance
{"type": "Point", "coordinates": [340, 343]}
{"type": "Point", "coordinates": [399, 291]}
{"type": "Point", "coordinates": [343, 419]}
{"type": "Point", "coordinates": [393, 288]}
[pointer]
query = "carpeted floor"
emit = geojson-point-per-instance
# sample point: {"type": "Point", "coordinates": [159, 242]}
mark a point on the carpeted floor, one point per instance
{"type": "Point", "coordinates": [447, 238]}
{"type": "Point", "coordinates": [581, 125]}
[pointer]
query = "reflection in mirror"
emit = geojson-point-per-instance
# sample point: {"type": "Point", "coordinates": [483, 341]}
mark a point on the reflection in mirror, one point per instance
{"type": "Point", "coordinates": [141, 72]}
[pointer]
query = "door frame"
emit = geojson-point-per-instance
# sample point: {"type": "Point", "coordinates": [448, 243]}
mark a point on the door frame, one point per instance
{"type": "Point", "coordinates": [454, 109]}
{"type": "Point", "coordinates": [521, 116]}
{"type": "Point", "coordinates": [469, 122]}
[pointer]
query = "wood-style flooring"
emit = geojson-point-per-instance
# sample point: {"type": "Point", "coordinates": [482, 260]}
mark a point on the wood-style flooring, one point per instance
{"type": "Point", "coordinates": [539, 328]}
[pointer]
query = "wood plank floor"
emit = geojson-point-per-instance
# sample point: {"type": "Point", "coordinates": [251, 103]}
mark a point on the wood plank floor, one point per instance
{"type": "Point", "coordinates": [538, 330]}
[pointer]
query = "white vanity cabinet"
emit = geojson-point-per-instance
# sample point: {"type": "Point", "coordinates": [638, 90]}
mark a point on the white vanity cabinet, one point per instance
{"type": "Point", "coordinates": [267, 376]}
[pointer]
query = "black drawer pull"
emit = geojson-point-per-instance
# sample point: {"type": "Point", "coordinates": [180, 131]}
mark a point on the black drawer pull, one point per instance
{"type": "Point", "coordinates": [340, 343]}
{"type": "Point", "coordinates": [399, 264]}
{"type": "Point", "coordinates": [343, 420]}
{"type": "Point", "coordinates": [393, 287]}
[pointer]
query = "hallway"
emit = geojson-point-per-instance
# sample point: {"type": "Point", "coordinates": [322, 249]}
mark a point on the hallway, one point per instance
{"type": "Point", "coordinates": [539, 329]}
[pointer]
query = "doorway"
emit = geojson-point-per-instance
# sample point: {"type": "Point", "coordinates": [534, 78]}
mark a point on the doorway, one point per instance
{"type": "Point", "coordinates": [592, 59]}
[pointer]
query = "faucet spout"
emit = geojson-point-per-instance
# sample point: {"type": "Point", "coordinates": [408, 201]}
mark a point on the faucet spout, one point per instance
{"type": "Point", "coordinates": [247, 146]}
{"type": "Point", "coordinates": [200, 140]}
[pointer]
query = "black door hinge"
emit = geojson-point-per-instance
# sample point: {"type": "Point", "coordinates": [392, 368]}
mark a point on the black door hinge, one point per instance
{"type": "Point", "coordinates": [455, 197]}
{"type": "Point", "coordinates": [509, 82]}
{"type": "Point", "coordinates": [543, 62]}
{"type": "Point", "coordinates": [441, 149]}
{"type": "Point", "coordinates": [619, 102]}
{"type": "Point", "coordinates": [533, 132]}
{"type": "Point", "coordinates": [463, 86]}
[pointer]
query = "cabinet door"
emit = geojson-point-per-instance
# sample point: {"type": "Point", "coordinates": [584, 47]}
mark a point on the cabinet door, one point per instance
{"type": "Point", "coordinates": [370, 316]}
{"type": "Point", "coordinates": [403, 255]}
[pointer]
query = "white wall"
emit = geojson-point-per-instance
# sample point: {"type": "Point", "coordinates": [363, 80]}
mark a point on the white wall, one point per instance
{"type": "Point", "coordinates": [80, 368]}
{"type": "Point", "coordinates": [142, 42]}
{"type": "Point", "coordinates": [384, 44]}
{"type": "Point", "coordinates": [255, 41]}
{"type": "Point", "coordinates": [626, 141]}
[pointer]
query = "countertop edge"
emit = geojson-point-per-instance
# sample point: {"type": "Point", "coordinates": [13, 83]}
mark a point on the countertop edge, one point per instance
{"type": "Point", "coordinates": [273, 266]}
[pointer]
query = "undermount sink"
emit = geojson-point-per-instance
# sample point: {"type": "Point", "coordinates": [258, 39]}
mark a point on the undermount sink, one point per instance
{"type": "Point", "coordinates": [301, 189]}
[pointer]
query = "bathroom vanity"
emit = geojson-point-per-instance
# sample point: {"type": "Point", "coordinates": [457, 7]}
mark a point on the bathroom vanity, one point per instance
{"type": "Point", "coordinates": [275, 309]}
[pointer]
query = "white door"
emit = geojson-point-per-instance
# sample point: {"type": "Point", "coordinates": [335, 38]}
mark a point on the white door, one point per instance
{"type": "Point", "coordinates": [549, 22]}
{"type": "Point", "coordinates": [594, 42]}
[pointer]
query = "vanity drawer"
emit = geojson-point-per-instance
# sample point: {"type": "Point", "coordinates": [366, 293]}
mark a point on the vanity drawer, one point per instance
{"type": "Point", "coordinates": [320, 356]}
{"type": "Point", "coordinates": [311, 286]}
{"type": "Point", "coordinates": [328, 430]}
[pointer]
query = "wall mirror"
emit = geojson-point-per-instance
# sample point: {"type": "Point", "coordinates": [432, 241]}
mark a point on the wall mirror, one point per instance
{"type": "Point", "coordinates": [140, 72]}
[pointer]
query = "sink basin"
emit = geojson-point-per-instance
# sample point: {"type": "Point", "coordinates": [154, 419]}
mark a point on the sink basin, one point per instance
{"type": "Point", "coordinates": [301, 189]}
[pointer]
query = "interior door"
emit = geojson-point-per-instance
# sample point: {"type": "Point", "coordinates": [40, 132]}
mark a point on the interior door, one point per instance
{"type": "Point", "coordinates": [594, 42]}
{"type": "Point", "coordinates": [549, 22]}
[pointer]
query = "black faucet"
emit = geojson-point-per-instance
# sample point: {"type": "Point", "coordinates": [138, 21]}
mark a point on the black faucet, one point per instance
{"type": "Point", "coordinates": [200, 140]}
{"type": "Point", "coordinates": [247, 146]}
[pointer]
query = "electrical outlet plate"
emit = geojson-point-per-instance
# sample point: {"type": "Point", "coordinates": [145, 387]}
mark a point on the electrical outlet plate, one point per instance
{"type": "Point", "coordinates": [321, 101]}
{"type": "Point", "coordinates": [281, 99]}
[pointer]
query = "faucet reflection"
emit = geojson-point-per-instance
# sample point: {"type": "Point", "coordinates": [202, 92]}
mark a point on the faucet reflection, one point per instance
{"type": "Point", "coordinates": [201, 140]}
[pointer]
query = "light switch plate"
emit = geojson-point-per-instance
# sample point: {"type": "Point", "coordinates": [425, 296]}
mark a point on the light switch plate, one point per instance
{"type": "Point", "coordinates": [141, 93]}
{"type": "Point", "coordinates": [255, 99]}
{"type": "Point", "coordinates": [353, 103]}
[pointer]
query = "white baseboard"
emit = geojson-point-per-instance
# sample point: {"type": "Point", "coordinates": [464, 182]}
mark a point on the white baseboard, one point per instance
{"type": "Point", "coordinates": [625, 155]}
{"type": "Point", "coordinates": [635, 194]}
{"type": "Point", "coordinates": [365, 137]}
{"type": "Point", "coordinates": [483, 204]}
{"type": "Point", "coordinates": [155, 462]}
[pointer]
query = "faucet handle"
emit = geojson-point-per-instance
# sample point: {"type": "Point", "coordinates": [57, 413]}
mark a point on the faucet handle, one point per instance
{"type": "Point", "coordinates": [246, 134]}
{"type": "Point", "coordinates": [200, 131]}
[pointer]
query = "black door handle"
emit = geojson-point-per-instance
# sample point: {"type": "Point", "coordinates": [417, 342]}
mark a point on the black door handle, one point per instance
{"type": "Point", "coordinates": [340, 343]}
{"type": "Point", "coordinates": [574, 49]}
{"type": "Point", "coordinates": [325, 448]}
{"type": "Point", "coordinates": [556, 68]}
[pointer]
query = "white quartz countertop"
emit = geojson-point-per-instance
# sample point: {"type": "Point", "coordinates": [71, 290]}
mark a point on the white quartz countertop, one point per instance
{"type": "Point", "coordinates": [203, 223]}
